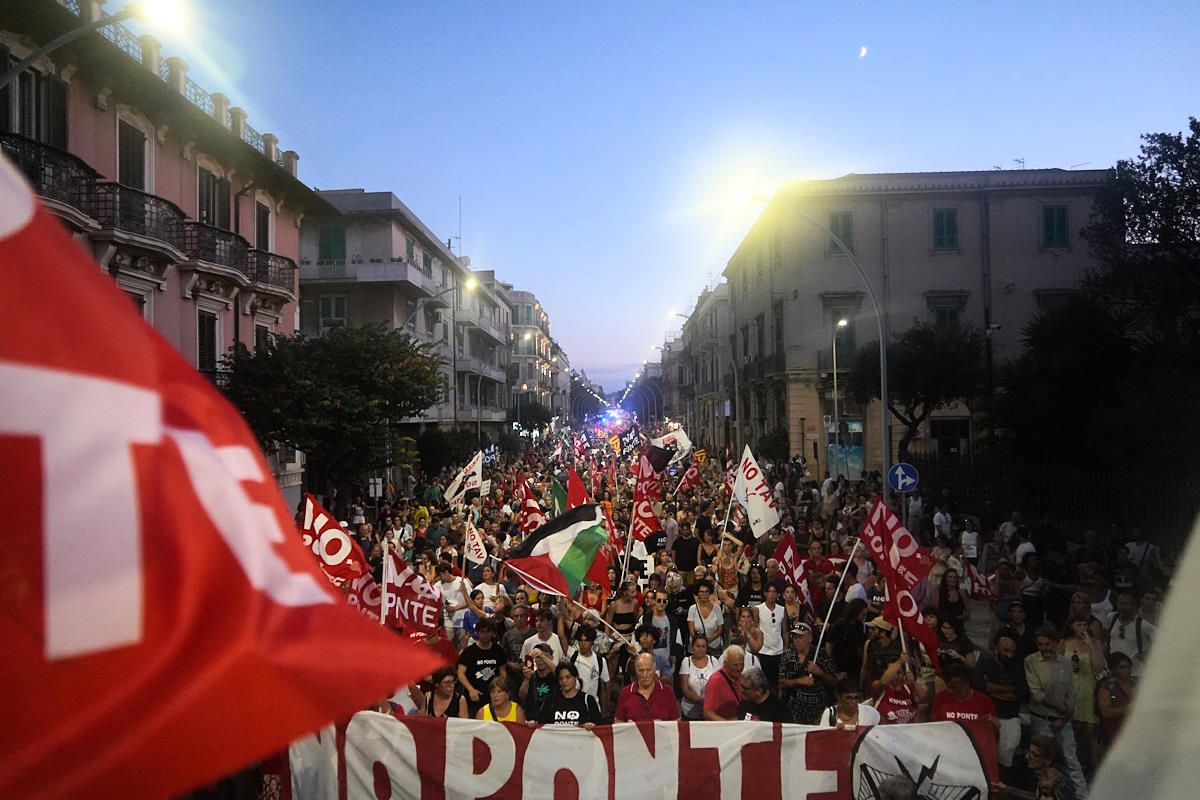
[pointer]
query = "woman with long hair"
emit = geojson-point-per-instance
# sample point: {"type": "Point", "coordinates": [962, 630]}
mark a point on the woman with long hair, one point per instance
{"type": "Point", "coordinates": [754, 589]}
{"type": "Point", "coordinates": [794, 611]}
{"type": "Point", "coordinates": [951, 600]}
{"type": "Point", "coordinates": [706, 618]}
{"type": "Point", "coordinates": [953, 644]}
{"type": "Point", "coordinates": [708, 548]}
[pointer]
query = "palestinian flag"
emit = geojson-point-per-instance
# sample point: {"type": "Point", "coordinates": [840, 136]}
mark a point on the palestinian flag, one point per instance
{"type": "Point", "coordinates": [559, 556]}
{"type": "Point", "coordinates": [559, 495]}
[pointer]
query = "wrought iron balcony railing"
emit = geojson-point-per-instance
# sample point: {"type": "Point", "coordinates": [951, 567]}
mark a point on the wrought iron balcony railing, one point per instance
{"type": "Point", "coordinates": [54, 174]}
{"type": "Point", "coordinates": [132, 211]}
{"type": "Point", "coordinates": [215, 246]}
{"type": "Point", "coordinates": [271, 269]}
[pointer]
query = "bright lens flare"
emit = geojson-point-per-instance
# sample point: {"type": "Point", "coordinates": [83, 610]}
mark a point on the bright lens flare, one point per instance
{"type": "Point", "coordinates": [862, 51]}
{"type": "Point", "coordinates": [163, 15]}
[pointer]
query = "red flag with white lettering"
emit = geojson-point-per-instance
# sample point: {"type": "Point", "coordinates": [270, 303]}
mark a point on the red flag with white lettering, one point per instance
{"type": "Point", "coordinates": [532, 516]}
{"type": "Point", "coordinates": [977, 585]}
{"type": "Point", "coordinates": [414, 603]}
{"type": "Point", "coordinates": [339, 556]}
{"type": "Point", "coordinates": [644, 520]}
{"type": "Point", "coordinates": [690, 479]}
{"type": "Point", "coordinates": [163, 624]}
{"type": "Point", "coordinates": [649, 483]}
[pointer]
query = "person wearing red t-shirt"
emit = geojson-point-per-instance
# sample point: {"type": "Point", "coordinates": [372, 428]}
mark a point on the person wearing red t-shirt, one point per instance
{"type": "Point", "coordinates": [958, 702]}
{"type": "Point", "coordinates": [897, 694]}
{"type": "Point", "coordinates": [723, 692]}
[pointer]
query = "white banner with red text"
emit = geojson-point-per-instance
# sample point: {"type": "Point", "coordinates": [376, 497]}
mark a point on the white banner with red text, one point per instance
{"type": "Point", "coordinates": [376, 755]}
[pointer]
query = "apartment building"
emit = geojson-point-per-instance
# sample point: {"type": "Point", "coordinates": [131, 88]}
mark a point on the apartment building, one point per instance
{"type": "Point", "coordinates": [988, 249]}
{"type": "Point", "coordinates": [371, 260]}
{"type": "Point", "coordinates": [531, 374]}
{"type": "Point", "coordinates": [705, 381]}
{"type": "Point", "coordinates": [193, 213]}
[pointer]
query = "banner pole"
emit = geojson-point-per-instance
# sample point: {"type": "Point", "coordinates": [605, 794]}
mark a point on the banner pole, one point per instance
{"type": "Point", "coordinates": [837, 591]}
{"type": "Point", "coordinates": [728, 512]}
{"type": "Point", "coordinates": [383, 591]}
{"type": "Point", "coordinates": [620, 636]}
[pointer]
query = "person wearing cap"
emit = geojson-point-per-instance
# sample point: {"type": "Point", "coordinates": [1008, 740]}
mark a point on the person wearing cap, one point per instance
{"type": "Point", "coordinates": [880, 650]}
{"type": "Point", "coordinates": [540, 684]}
{"type": "Point", "coordinates": [805, 676]}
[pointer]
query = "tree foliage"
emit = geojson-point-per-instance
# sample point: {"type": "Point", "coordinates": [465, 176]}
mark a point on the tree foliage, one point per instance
{"type": "Point", "coordinates": [1109, 380]}
{"type": "Point", "coordinates": [774, 446]}
{"type": "Point", "coordinates": [439, 448]}
{"type": "Point", "coordinates": [339, 398]}
{"type": "Point", "coordinates": [929, 366]}
{"type": "Point", "coordinates": [532, 415]}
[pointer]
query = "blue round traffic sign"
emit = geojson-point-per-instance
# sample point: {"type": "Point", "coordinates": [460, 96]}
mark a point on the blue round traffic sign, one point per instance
{"type": "Point", "coordinates": [902, 477]}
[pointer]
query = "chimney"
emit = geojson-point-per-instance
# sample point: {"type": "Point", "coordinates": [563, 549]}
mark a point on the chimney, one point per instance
{"type": "Point", "coordinates": [151, 53]}
{"type": "Point", "coordinates": [290, 159]}
{"type": "Point", "coordinates": [238, 116]}
{"type": "Point", "coordinates": [270, 146]}
{"type": "Point", "coordinates": [177, 70]}
{"type": "Point", "coordinates": [220, 107]}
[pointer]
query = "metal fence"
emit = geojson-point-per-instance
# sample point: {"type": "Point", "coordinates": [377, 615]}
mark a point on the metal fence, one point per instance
{"type": "Point", "coordinates": [1165, 507]}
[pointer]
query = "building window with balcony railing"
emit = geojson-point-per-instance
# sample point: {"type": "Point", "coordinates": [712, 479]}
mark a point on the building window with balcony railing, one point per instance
{"type": "Point", "coordinates": [332, 311]}
{"type": "Point", "coordinates": [262, 227]}
{"type": "Point", "coordinates": [37, 109]}
{"type": "Point", "coordinates": [410, 248]}
{"type": "Point", "coordinates": [331, 247]}
{"type": "Point", "coordinates": [427, 265]}
{"type": "Point", "coordinates": [131, 156]}
{"type": "Point", "coordinates": [212, 199]}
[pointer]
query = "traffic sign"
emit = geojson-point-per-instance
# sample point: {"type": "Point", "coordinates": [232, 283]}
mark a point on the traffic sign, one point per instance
{"type": "Point", "coordinates": [903, 477]}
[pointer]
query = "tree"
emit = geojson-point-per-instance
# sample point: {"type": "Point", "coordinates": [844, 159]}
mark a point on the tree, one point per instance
{"type": "Point", "coordinates": [532, 415]}
{"type": "Point", "coordinates": [774, 446]}
{"type": "Point", "coordinates": [929, 366]}
{"type": "Point", "coordinates": [340, 398]}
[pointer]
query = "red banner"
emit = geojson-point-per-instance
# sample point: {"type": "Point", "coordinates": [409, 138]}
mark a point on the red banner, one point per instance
{"type": "Point", "coordinates": [532, 516]}
{"type": "Point", "coordinates": [163, 625]}
{"type": "Point", "coordinates": [340, 557]}
{"type": "Point", "coordinates": [376, 755]}
{"type": "Point", "coordinates": [649, 484]}
{"type": "Point", "coordinates": [413, 602]}
{"type": "Point", "coordinates": [690, 479]}
{"type": "Point", "coordinates": [644, 520]}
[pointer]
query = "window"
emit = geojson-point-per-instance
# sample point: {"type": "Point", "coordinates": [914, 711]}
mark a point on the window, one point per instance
{"type": "Point", "coordinates": [1054, 226]}
{"type": "Point", "coordinates": [206, 341]}
{"type": "Point", "coordinates": [760, 326]}
{"type": "Point", "coordinates": [777, 325]}
{"type": "Point", "coordinates": [745, 342]}
{"type": "Point", "coordinates": [427, 265]}
{"type": "Point", "coordinates": [946, 317]}
{"type": "Point", "coordinates": [945, 229]}
{"type": "Point", "coordinates": [262, 227]}
{"type": "Point", "coordinates": [745, 280]}
{"type": "Point", "coordinates": [212, 199]}
{"type": "Point", "coordinates": [41, 108]}
{"type": "Point", "coordinates": [131, 156]}
{"type": "Point", "coordinates": [139, 301]}
{"type": "Point", "coordinates": [262, 337]}
{"type": "Point", "coordinates": [841, 225]}
{"type": "Point", "coordinates": [333, 311]}
{"type": "Point", "coordinates": [332, 247]}
{"type": "Point", "coordinates": [528, 315]}
{"type": "Point", "coordinates": [410, 248]}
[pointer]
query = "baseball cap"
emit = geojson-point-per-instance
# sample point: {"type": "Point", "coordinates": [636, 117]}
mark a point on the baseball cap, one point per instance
{"type": "Point", "coordinates": [882, 624]}
{"type": "Point", "coordinates": [800, 628]}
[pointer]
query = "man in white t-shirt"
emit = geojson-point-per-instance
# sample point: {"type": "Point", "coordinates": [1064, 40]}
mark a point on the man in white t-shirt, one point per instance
{"type": "Point", "coordinates": [770, 622]}
{"type": "Point", "coordinates": [454, 596]}
{"type": "Point", "coordinates": [969, 538]}
{"type": "Point", "coordinates": [545, 635]}
{"type": "Point", "coordinates": [943, 523]}
{"type": "Point", "coordinates": [1128, 633]}
{"type": "Point", "coordinates": [1010, 527]}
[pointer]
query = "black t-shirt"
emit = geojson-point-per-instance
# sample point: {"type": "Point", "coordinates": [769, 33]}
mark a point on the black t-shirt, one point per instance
{"type": "Point", "coordinates": [482, 665]}
{"type": "Point", "coordinates": [771, 709]}
{"type": "Point", "coordinates": [541, 693]}
{"type": "Point", "coordinates": [577, 710]}
{"type": "Point", "coordinates": [656, 541]}
{"type": "Point", "coordinates": [687, 553]}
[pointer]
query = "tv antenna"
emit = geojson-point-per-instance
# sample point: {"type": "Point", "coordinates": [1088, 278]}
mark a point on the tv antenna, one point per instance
{"type": "Point", "coordinates": [1020, 162]}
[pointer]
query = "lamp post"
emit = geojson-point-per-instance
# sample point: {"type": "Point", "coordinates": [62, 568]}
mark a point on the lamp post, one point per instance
{"type": "Point", "coordinates": [885, 443]}
{"type": "Point", "coordinates": [837, 422]}
{"type": "Point", "coordinates": [524, 388]}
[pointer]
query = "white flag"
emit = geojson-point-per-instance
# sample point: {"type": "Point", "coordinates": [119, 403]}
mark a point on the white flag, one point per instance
{"type": "Point", "coordinates": [676, 440]}
{"type": "Point", "coordinates": [473, 548]}
{"type": "Point", "coordinates": [753, 491]}
{"type": "Point", "coordinates": [470, 478]}
{"type": "Point", "coordinates": [485, 488]}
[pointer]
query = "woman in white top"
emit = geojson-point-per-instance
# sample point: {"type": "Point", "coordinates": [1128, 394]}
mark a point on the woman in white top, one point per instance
{"type": "Point", "coordinates": [705, 617]}
{"type": "Point", "coordinates": [490, 588]}
{"type": "Point", "coordinates": [850, 712]}
{"type": "Point", "coordinates": [694, 673]}
{"type": "Point", "coordinates": [770, 622]}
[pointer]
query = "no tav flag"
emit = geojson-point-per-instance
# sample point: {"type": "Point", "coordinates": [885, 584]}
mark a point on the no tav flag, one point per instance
{"type": "Point", "coordinates": [752, 491]}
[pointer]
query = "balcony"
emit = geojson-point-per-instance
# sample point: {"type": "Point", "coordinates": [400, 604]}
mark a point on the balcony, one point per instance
{"type": "Point", "coordinates": [391, 270]}
{"type": "Point", "coordinates": [468, 412]}
{"type": "Point", "coordinates": [825, 360]}
{"type": "Point", "coordinates": [216, 246]}
{"type": "Point", "coordinates": [476, 366]}
{"type": "Point", "coordinates": [485, 326]}
{"type": "Point", "coordinates": [269, 269]}
{"type": "Point", "coordinates": [775, 364]}
{"type": "Point", "coordinates": [63, 181]}
{"type": "Point", "coordinates": [130, 211]}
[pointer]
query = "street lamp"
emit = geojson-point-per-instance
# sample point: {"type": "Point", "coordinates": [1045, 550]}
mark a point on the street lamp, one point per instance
{"type": "Point", "coordinates": [524, 388]}
{"type": "Point", "coordinates": [837, 423]}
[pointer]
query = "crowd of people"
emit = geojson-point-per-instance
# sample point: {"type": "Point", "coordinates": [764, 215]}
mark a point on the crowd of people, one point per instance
{"type": "Point", "coordinates": [708, 627]}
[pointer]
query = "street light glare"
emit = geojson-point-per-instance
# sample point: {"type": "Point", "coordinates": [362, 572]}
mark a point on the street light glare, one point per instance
{"type": "Point", "coordinates": [843, 323]}
{"type": "Point", "coordinates": [671, 313]}
{"type": "Point", "coordinates": [528, 335]}
{"type": "Point", "coordinates": [471, 284]}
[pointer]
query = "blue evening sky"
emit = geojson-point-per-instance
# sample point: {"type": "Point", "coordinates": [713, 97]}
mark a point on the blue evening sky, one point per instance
{"type": "Point", "coordinates": [607, 153]}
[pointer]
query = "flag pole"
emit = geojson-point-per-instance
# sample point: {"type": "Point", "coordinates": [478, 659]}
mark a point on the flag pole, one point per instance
{"type": "Point", "coordinates": [837, 591]}
{"type": "Point", "coordinates": [620, 636]}
{"type": "Point", "coordinates": [383, 595]}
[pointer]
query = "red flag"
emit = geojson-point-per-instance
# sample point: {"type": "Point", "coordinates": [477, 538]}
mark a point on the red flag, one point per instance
{"type": "Point", "coordinates": [576, 493]}
{"type": "Point", "coordinates": [730, 478]}
{"type": "Point", "coordinates": [644, 521]}
{"type": "Point", "coordinates": [791, 566]}
{"type": "Point", "coordinates": [189, 607]}
{"type": "Point", "coordinates": [977, 585]}
{"type": "Point", "coordinates": [532, 516]}
{"type": "Point", "coordinates": [690, 479]}
{"type": "Point", "coordinates": [339, 556]}
{"type": "Point", "coordinates": [649, 484]}
{"type": "Point", "coordinates": [903, 564]}
{"type": "Point", "coordinates": [413, 602]}
{"type": "Point", "coordinates": [728, 453]}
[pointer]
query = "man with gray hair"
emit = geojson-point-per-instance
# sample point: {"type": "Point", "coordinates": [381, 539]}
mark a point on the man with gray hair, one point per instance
{"type": "Point", "coordinates": [723, 692]}
{"type": "Point", "coordinates": [758, 702]}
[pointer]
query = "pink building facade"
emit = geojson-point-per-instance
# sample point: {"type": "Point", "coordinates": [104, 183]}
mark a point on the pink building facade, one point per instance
{"type": "Point", "coordinates": [194, 214]}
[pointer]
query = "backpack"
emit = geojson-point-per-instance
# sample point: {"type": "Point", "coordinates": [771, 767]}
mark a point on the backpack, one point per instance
{"type": "Point", "coordinates": [1137, 633]}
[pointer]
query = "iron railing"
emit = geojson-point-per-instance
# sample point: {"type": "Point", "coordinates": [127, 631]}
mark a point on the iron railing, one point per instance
{"type": "Point", "coordinates": [215, 246]}
{"type": "Point", "coordinates": [122, 208]}
{"type": "Point", "coordinates": [271, 269]}
{"type": "Point", "coordinates": [198, 97]}
{"type": "Point", "coordinates": [123, 38]}
{"type": "Point", "coordinates": [253, 138]}
{"type": "Point", "coordinates": [54, 174]}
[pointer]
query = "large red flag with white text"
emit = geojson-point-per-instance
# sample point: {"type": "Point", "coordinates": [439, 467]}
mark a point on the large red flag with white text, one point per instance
{"type": "Point", "coordinates": [903, 563]}
{"type": "Point", "coordinates": [690, 479]}
{"type": "Point", "coordinates": [163, 624]}
{"type": "Point", "coordinates": [532, 516]}
{"type": "Point", "coordinates": [339, 556]}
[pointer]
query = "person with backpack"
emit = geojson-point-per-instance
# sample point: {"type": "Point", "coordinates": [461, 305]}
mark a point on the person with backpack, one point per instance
{"type": "Point", "coordinates": [1128, 633]}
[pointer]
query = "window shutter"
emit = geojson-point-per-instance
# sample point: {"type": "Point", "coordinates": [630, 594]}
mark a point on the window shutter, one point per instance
{"type": "Point", "coordinates": [206, 348]}
{"type": "Point", "coordinates": [6, 125]}
{"type": "Point", "coordinates": [262, 227]}
{"type": "Point", "coordinates": [204, 196]}
{"type": "Point", "coordinates": [222, 189]}
{"type": "Point", "coordinates": [26, 92]}
{"type": "Point", "coordinates": [131, 159]}
{"type": "Point", "coordinates": [56, 113]}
